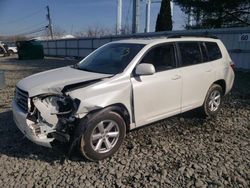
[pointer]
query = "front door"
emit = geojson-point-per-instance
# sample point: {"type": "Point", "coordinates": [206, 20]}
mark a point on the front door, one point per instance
{"type": "Point", "coordinates": [157, 96]}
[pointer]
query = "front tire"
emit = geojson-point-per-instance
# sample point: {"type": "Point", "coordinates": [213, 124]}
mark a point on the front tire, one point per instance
{"type": "Point", "coordinates": [212, 103]}
{"type": "Point", "coordinates": [103, 136]}
{"type": "Point", "coordinates": [6, 54]}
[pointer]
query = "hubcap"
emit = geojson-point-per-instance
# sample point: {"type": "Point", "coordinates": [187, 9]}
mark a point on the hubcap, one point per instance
{"type": "Point", "coordinates": [104, 136]}
{"type": "Point", "coordinates": [214, 100]}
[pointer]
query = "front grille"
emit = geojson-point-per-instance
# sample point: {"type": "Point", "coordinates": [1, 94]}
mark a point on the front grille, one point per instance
{"type": "Point", "coordinates": [21, 98]}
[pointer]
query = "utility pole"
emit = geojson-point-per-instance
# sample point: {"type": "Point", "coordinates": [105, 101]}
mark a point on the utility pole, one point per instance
{"type": "Point", "coordinates": [119, 17]}
{"type": "Point", "coordinates": [136, 16]}
{"type": "Point", "coordinates": [50, 23]}
{"type": "Point", "coordinates": [172, 8]}
{"type": "Point", "coordinates": [148, 9]}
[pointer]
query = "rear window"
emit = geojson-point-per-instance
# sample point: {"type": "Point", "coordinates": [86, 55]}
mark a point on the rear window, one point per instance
{"type": "Point", "coordinates": [190, 53]}
{"type": "Point", "coordinates": [213, 51]}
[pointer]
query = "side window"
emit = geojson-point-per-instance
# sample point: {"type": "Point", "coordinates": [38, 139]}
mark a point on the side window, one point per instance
{"type": "Point", "coordinates": [190, 53]}
{"type": "Point", "coordinates": [204, 52]}
{"type": "Point", "coordinates": [213, 50]}
{"type": "Point", "coordinates": [162, 57]}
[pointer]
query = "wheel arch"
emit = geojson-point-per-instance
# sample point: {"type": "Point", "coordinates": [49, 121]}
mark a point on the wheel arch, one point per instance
{"type": "Point", "coordinates": [82, 133]}
{"type": "Point", "coordinates": [221, 83]}
{"type": "Point", "coordinates": [121, 109]}
{"type": "Point", "coordinates": [118, 108]}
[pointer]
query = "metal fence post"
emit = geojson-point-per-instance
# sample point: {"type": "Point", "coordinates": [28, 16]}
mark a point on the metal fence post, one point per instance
{"type": "Point", "coordinates": [48, 47]}
{"type": "Point", "coordinates": [66, 50]}
{"type": "Point", "coordinates": [78, 50]}
{"type": "Point", "coordinates": [92, 44]}
{"type": "Point", "coordinates": [56, 47]}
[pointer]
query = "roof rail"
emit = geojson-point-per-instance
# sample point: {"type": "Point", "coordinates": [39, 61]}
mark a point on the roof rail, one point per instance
{"type": "Point", "coordinates": [190, 35]}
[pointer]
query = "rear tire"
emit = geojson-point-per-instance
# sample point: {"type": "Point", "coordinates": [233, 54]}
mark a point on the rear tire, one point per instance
{"type": "Point", "coordinates": [212, 103]}
{"type": "Point", "coordinates": [103, 135]}
{"type": "Point", "coordinates": [11, 52]}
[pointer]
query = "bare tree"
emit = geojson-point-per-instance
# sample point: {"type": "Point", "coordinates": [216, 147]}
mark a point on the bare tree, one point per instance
{"type": "Point", "coordinates": [126, 30]}
{"type": "Point", "coordinates": [58, 32]}
{"type": "Point", "coordinates": [95, 31]}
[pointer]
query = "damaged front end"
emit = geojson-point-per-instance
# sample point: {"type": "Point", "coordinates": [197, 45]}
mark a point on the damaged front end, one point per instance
{"type": "Point", "coordinates": [52, 117]}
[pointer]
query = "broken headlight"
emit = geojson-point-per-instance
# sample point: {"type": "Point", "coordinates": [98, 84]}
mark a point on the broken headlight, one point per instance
{"type": "Point", "coordinates": [59, 104]}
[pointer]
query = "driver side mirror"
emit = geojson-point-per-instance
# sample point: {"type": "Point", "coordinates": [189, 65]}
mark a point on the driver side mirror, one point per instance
{"type": "Point", "coordinates": [145, 69]}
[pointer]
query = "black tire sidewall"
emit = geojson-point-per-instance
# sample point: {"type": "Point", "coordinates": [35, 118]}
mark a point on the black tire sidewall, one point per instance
{"type": "Point", "coordinates": [11, 52]}
{"type": "Point", "coordinates": [85, 140]}
{"type": "Point", "coordinates": [206, 108]}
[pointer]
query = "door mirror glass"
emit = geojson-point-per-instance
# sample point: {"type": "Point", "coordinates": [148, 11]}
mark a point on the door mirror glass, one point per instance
{"type": "Point", "coordinates": [145, 69]}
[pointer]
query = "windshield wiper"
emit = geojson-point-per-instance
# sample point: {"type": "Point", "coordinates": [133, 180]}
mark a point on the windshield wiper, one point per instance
{"type": "Point", "coordinates": [76, 66]}
{"type": "Point", "coordinates": [88, 70]}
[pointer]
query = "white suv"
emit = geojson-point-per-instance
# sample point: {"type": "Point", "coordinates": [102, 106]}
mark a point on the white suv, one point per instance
{"type": "Point", "coordinates": [121, 86]}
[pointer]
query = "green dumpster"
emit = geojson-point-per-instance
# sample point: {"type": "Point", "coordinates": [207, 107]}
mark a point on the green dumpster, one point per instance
{"type": "Point", "coordinates": [31, 49]}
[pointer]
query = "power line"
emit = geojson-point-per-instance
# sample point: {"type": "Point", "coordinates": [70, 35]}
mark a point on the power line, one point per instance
{"type": "Point", "coordinates": [31, 27]}
{"type": "Point", "coordinates": [23, 18]}
{"type": "Point", "coordinates": [33, 31]}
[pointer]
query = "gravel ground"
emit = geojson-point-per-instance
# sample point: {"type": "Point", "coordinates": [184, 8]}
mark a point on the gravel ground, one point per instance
{"type": "Point", "coordinates": [182, 151]}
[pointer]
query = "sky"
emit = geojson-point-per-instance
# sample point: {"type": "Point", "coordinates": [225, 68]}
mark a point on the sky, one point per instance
{"type": "Point", "coordinates": [24, 16]}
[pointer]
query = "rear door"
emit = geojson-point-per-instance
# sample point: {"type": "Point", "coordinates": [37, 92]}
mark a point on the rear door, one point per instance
{"type": "Point", "coordinates": [197, 74]}
{"type": "Point", "coordinates": [157, 96]}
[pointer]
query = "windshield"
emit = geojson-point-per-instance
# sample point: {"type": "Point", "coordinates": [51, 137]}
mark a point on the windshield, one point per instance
{"type": "Point", "coordinates": [111, 59]}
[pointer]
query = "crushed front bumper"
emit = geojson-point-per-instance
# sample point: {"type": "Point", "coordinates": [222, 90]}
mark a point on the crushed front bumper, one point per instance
{"type": "Point", "coordinates": [27, 129]}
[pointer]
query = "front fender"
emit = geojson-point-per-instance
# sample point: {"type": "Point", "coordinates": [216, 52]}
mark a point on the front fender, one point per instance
{"type": "Point", "coordinates": [102, 95]}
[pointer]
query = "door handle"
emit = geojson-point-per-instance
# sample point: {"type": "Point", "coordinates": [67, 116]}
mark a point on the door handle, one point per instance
{"type": "Point", "coordinates": [209, 70]}
{"type": "Point", "coordinates": [176, 77]}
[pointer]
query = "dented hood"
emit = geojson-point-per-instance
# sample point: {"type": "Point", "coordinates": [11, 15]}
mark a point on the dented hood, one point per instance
{"type": "Point", "coordinates": [53, 81]}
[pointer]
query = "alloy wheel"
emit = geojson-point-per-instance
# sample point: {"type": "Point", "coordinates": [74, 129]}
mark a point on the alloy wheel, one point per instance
{"type": "Point", "coordinates": [214, 100]}
{"type": "Point", "coordinates": [104, 136]}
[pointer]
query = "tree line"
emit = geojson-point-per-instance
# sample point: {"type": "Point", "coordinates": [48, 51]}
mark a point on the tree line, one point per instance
{"type": "Point", "coordinates": [202, 14]}
{"type": "Point", "coordinates": [206, 14]}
